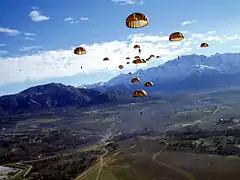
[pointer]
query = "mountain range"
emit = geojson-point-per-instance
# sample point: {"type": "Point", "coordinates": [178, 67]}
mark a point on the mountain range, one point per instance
{"type": "Point", "coordinates": [191, 72]}
{"type": "Point", "coordinates": [188, 73]}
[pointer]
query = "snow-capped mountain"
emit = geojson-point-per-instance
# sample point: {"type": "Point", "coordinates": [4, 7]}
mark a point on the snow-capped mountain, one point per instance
{"type": "Point", "coordinates": [180, 69]}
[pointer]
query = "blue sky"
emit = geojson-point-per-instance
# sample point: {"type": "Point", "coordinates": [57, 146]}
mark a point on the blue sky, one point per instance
{"type": "Point", "coordinates": [37, 37]}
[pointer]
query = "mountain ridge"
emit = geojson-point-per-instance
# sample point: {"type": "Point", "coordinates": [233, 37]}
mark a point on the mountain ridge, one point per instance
{"type": "Point", "coordinates": [184, 74]}
{"type": "Point", "coordinates": [179, 70]}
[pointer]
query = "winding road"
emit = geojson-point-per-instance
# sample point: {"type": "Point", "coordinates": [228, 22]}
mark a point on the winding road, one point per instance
{"type": "Point", "coordinates": [101, 163]}
{"type": "Point", "coordinates": [205, 117]}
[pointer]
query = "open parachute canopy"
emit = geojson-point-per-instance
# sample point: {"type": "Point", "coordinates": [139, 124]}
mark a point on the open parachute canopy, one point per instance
{"type": "Point", "coordinates": [136, 20]}
{"type": "Point", "coordinates": [139, 93]}
{"type": "Point", "coordinates": [136, 46]}
{"type": "Point", "coordinates": [120, 66]}
{"type": "Point", "coordinates": [204, 45]}
{"type": "Point", "coordinates": [137, 61]}
{"type": "Point", "coordinates": [106, 59]}
{"type": "Point", "coordinates": [147, 84]}
{"type": "Point", "coordinates": [128, 62]}
{"type": "Point", "coordinates": [137, 57]}
{"type": "Point", "coordinates": [127, 58]}
{"type": "Point", "coordinates": [80, 51]}
{"type": "Point", "coordinates": [176, 36]}
{"type": "Point", "coordinates": [157, 57]}
{"type": "Point", "coordinates": [135, 80]}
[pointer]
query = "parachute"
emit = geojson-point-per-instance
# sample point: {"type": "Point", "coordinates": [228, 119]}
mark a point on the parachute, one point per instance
{"type": "Point", "coordinates": [139, 93]}
{"type": "Point", "coordinates": [136, 46]}
{"type": "Point", "coordinates": [137, 57]}
{"type": "Point", "coordinates": [135, 80]}
{"type": "Point", "coordinates": [136, 20]}
{"type": "Point", "coordinates": [137, 61]}
{"type": "Point", "coordinates": [128, 63]}
{"type": "Point", "coordinates": [106, 59]}
{"type": "Point", "coordinates": [80, 51]}
{"type": "Point", "coordinates": [204, 45]}
{"type": "Point", "coordinates": [147, 84]}
{"type": "Point", "coordinates": [120, 66]}
{"type": "Point", "coordinates": [127, 58]}
{"type": "Point", "coordinates": [157, 57]}
{"type": "Point", "coordinates": [129, 73]}
{"type": "Point", "coordinates": [176, 36]}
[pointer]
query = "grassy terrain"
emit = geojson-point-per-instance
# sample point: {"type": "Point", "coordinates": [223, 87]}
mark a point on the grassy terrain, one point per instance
{"type": "Point", "coordinates": [139, 164]}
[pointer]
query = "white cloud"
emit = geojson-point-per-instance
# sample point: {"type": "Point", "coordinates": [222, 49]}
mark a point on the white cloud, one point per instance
{"type": "Point", "coordinates": [29, 34]}
{"type": "Point", "coordinates": [37, 17]}
{"type": "Point", "coordinates": [29, 38]}
{"type": "Point", "coordinates": [1, 45]}
{"type": "Point", "coordinates": [74, 21]}
{"type": "Point", "coordinates": [84, 18]}
{"type": "Point", "coordinates": [10, 32]}
{"type": "Point", "coordinates": [29, 48]}
{"type": "Point", "coordinates": [124, 2]}
{"type": "Point", "coordinates": [62, 63]}
{"type": "Point", "coordinates": [211, 32]}
{"type": "Point", "coordinates": [69, 19]}
{"type": "Point", "coordinates": [184, 23]}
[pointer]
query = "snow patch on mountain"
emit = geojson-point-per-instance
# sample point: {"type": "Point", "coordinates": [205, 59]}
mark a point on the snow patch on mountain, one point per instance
{"type": "Point", "coordinates": [185, 66]}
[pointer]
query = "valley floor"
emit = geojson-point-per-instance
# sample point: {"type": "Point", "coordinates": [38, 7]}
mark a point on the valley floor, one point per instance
{"type": "Point", "coordinates": [174, 138]}
{"type": "Point", "coordinates": [141, 159]}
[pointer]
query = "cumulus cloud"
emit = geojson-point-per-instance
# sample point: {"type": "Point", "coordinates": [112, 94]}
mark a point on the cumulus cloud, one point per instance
{"type": "Point", "coordinates": [37, 17]}
{"type": "Point", "coordinates": [61, 63]}
{"type": "Point", "coordinates": [124, 2]}
{"type": "Point", "coordinates": [10, 32]}
{"type": "Point", "coordinates": [184, 23]}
